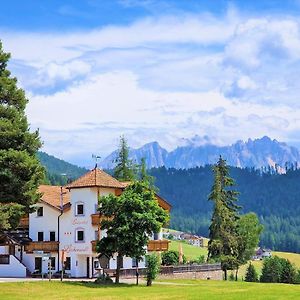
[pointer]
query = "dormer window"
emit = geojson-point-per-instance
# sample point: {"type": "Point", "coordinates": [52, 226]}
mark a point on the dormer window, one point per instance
{"type": "Point", "coordinates": [79, 209]}
{"type": "Point", "coordinates": [40, 211]}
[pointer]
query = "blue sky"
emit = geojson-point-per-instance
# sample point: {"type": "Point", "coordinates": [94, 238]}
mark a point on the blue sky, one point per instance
{"type": "Point", "coordinates": [155, 70]}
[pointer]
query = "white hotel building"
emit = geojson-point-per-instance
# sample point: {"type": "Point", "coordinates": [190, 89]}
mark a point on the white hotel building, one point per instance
{"type": "Point", "coordinates": [65, 227]}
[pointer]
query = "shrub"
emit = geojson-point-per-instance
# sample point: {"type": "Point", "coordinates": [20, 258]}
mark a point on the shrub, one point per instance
{"type": "Point", "coordinates": [277, 269]}
{"type": "Point", "coordinates": [288, 272]}
{"type": "Point", "coordinates": [103, 279]}
{"type": "Point", "coordinates": [171, 257]}
{"type": "Point", "coordinates": [251, 274]}
{"type": "Point", "coordinates": [152, 262]}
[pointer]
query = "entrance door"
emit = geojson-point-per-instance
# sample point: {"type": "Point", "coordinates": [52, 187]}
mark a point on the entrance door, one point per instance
{"type": "Point", "coordinates": [88, 267]}
{"type": "Point", "coordinates": [38, 264]}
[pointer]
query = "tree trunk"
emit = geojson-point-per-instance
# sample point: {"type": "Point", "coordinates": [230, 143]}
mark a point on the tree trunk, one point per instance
{"type": "Point", "coordinates": [118, 269]}
{"type": "Point", "coordinates": [149, 282]}
{"type": "Point", "coordinates": [137, 272]}
{"type": "Point", "coordinates": [225, 274]}
{"type": "Point", "coordinates": [236, 274]}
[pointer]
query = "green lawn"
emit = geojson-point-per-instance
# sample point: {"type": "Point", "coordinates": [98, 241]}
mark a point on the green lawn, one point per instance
{"type": "Point", "coordinates": [174, 289]}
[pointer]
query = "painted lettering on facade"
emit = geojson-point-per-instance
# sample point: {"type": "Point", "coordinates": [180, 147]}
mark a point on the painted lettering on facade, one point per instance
{"type": "Point", "coordinates": [79, 222]}
{"type": "Point", "coordinates": [72, 248]}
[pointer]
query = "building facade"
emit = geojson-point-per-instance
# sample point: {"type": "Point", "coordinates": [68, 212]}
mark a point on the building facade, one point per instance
{"type": "Point", "coordinates": [64, 229]}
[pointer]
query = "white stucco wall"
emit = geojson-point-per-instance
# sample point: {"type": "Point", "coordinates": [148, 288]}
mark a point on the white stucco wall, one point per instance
{"type": "Point", "coordinates": [46, 223]}
{"type": "Point", "coordinates": [13, 269]}
{"type": "Point", "coordinates": [4, 249]}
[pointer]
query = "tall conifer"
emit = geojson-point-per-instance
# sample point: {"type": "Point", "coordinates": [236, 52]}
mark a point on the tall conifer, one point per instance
{"type": "Point", "coordinates": [125, 169]}
{"type": "Point", "coordinates": [223, 243]}
{"type": "Point", "coordinates": [20, 170]}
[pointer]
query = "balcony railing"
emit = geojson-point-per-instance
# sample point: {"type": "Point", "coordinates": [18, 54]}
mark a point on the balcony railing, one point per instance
{"type": "Point", "coordinates": [96, 219]}
{"type": "Point", "coordinates": [158, 245]}
{"type": "Point", "coordinates": [46, 246]}
{"type": "Point", "coordinates": [24, 222]}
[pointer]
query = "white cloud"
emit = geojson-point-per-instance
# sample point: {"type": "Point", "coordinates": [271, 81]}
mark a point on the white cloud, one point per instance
{"type": "Point", "coordinates": [228, 77]}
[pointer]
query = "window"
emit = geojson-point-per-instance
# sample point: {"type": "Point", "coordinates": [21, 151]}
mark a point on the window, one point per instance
{"type": "Point", "coordinates": [52, 262]}
{"type": "Point", "coordinates": [134, 262]}
{"type": "Point", "coordinates": [79, 235]}
{"type": "Point", "coordinates": [68, 263]}
{"type": "Point", "coordinates": [40, 211]}
{"type": "Point", "coordinates": [38, 264]}
{"type": "Point", "coordinates": [96, 235]}
{"type": "Point", "coordinates": [52, 235]}
{"type": "Point", "coordinates": [40, 236]}
{"type": "Point", "coordinates": [79, 209]}
{"type": "Point", "coordinates": [4, 259]}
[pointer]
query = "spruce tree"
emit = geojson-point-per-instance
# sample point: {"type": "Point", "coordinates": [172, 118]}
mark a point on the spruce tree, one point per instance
{"type": "Point", "coordinates": [20, 170]}
{"type": "Point", "coordinates": [223, 235]}
{"type": "Point", "coordinates": [251, 274]}
{"type": "Point", "coordinates": [125, 169]}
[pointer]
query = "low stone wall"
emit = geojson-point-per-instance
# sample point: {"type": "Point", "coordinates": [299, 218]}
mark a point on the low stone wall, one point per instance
{"type": "Point", "coordinates": [211, 275]}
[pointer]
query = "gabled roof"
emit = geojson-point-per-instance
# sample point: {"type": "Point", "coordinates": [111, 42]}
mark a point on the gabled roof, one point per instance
{"type": "Point", "coordinates": [95, 178]}
{"type": "Point", "coordinates": [51, 195]}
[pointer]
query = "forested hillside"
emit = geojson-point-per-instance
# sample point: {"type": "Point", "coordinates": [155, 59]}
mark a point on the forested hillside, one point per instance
{"type": "Point", "coordinates": [55, 168]}
{"type": "Point", "coordinates": [274, 198]}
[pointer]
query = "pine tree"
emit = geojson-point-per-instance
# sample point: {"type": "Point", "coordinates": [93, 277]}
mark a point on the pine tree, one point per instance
{"type": "Point", "coordinates": [223, 243]}
{"type": "Point", "coordinates": [145, 177]}
{"type": "Point", "coordinates": [20, 170]}
{"type": "Point", "coordinates": [251, 274]}
{"type": "Point", "coordinates": [125, 169]}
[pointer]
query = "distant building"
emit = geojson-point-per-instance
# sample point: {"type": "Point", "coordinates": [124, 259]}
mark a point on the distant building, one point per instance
{"type": "Point", "coordinates": [262, 253]}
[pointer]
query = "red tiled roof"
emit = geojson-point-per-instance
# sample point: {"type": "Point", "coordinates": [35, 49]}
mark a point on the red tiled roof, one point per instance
{"type": "Point", "coordinates": [51, 195]}
{"type": "Point", "coordinates": [95, 178]}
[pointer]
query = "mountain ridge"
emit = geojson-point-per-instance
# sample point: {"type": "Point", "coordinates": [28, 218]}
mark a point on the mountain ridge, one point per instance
{"type": "Point", "coordinates": [199, 151]}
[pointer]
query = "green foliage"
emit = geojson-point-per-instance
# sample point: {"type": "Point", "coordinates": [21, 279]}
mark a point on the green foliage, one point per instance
{"type": "Point", "coordinates": [20, 170]}
{"type": "Point", "coordinates": [223, 233]}
{"type": "Point", "coordinates": [249, 230]}
{"type": "Point", "coordinates": [153, 268]}
{"type": "Point", "coordinates": [199, 260]}
{"type": "Point", "coordinates": [171, 257]}
{"type": "Point", "coordinates": [297, 278]}
{"type": "Point", "coordinates": [251, 274]}
{"type": "Point", "coordinates": [274, 198]}
{"type": "Point", "coordinates": [277, 269]}
{"type": "Point", "coordinates": [131, 218]}
{"type": "Point", "coordinates": [125, 169]}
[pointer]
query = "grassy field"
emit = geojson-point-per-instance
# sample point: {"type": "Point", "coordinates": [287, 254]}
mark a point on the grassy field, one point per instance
{"type": "Point", "coordinates": [292, 257]}
{"type": "Point", "coordinates": [190, 252]}
{"type": "Point", "coordinates": [175, 289]}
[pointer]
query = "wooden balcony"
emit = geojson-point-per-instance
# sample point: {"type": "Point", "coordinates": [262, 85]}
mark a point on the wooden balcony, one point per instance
{"type": "Point", "coordinates": [49, 246]}
{"type": "Point", "coordinates": [96, 219]}
{"type": "Point", "coordinates": [158, 245]}
{"type": "Point", "coordinates": [24, 222]}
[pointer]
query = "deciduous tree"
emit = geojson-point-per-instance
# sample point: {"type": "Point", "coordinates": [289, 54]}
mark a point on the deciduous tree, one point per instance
{"type": "Point", "coordinates": [131, 219]}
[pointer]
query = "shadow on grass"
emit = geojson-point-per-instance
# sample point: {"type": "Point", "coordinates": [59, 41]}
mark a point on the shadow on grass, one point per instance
{"type": "Point", "coordinates": [96, 285]}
